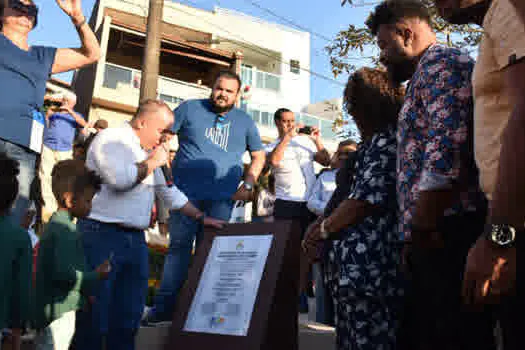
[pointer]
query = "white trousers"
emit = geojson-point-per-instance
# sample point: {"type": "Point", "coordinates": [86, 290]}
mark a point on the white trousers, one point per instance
{"type": "Point", "coordinates": [48, 159]}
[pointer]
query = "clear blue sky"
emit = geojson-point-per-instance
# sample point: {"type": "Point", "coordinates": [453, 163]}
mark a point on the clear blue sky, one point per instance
{"type": "Point", "coordinates": [325, 17]}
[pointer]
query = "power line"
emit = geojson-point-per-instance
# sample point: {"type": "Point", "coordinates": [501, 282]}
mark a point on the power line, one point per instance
{"type": "Point", "coordinates": [289, 21]}
{"type": "Point", "coordinates": [316, 51]}
{"type": "Point", "coordinates": [243, 42]}
{"type": "Point", "coordinates": [300, 27]}
{"type": "Point", "coordinates": [303, 28]}
{"type": "Point", "coordinates": [251, 47]}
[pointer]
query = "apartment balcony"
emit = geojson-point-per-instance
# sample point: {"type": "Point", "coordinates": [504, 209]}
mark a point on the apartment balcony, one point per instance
{"type": "Point", "coordinates": [122, 85]}
{"type": "Point", "coordinates": [258, 79]}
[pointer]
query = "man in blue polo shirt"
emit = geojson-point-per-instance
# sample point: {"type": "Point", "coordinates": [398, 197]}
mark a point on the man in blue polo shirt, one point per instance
{"type": "Point", "coordinates": [213, 136]}
{"type": "Point", "coordinates": [60, 130]}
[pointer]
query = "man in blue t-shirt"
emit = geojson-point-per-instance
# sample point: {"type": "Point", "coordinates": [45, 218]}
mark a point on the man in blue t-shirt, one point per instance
{"type": "Point", "coordinates": [60, 129]}
{"type": "Point", "coordinates": [213, 136]}
{"type": "Point", "coordinates": [24, 70]}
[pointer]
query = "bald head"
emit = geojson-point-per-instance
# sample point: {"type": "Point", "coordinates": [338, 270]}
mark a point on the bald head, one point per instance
{"type": "Point", "coordinates": [152, 120]}
{"type": "Point", "coordinates": [151, 108]}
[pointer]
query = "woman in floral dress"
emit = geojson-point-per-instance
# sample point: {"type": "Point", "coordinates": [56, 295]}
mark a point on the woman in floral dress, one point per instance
{"type": "Point", "coordinates": [363, 247]}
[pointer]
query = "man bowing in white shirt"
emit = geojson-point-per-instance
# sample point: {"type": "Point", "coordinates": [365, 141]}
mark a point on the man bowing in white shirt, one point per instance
{"type": "Point", "coordinates": [128, 159]}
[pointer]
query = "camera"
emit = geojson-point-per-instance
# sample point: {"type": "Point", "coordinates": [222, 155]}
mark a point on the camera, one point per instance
{"type": "Point", "coordinates": [307, 130]}
{"type": "Point", "coordinates": [52, 104]}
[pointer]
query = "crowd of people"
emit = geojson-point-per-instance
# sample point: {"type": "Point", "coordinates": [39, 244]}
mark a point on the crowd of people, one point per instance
{"type": "Point", "coordinates": [409, 237]}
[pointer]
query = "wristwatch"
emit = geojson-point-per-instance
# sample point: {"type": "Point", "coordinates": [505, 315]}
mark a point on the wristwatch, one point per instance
{"type": "Point", "coordinates": [324, 233]}
{"type": "Point", "coordinates": [501, 234]}
{"type": "Point", "coordinates": [248, 186]}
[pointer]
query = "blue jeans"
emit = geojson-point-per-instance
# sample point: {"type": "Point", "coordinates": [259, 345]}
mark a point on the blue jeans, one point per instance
{"type": "Point", "coordinates": [120, 300]}
{"type": "Point", "coordinates": [27, 160]}
{"type": "Point", "coordinates": [183, 231]}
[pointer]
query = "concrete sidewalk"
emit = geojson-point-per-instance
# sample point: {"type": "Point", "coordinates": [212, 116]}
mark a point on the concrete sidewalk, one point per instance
{"type": "Point", "coordinates": [312, 336]}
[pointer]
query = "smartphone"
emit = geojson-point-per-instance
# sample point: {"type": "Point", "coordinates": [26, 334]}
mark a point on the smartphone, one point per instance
{"type": "Point", "coordinates": [307, 130]}
{"type": "Point", "coordinates": [54, 104]}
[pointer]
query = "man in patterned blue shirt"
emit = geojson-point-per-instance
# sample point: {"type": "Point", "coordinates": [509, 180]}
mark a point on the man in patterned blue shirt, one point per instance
{"type": "Point", "coordinates": [441, 208]}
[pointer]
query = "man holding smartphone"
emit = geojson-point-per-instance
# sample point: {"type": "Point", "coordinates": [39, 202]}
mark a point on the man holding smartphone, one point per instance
{"type": "Point", "coordinates": [62, 123]}
{"type": "Point", "coordinates": [291, 158]}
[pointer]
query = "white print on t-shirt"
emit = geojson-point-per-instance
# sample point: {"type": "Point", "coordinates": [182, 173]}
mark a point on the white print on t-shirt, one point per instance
{"type": "Point", "coordinates": [219, 136]}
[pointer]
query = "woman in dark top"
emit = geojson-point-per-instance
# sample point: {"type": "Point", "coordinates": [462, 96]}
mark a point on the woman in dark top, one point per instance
{"type": "Point", "coordinates": [361, 234]}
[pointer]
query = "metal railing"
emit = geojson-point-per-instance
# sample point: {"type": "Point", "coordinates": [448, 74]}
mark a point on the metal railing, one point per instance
{"type": "Point", "coordinates": [116, 77]}
{"type": "Point", "coordinates": [261, 80]}
{"type": "Point", "coordinates": [325, 125]}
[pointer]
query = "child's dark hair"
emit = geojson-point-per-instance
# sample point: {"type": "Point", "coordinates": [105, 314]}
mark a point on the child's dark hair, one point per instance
{"type": "Point", "coordinates": [9, 170]}
{"type": "Point", "coordinates": [72, 176]}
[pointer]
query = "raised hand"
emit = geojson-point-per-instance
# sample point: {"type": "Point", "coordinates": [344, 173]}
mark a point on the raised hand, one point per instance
{"type": "Point", "coordinates": [72, 8]}
{"type": "Point", "coordinates": [315, 134]}
{"type": "Point", "coordinates": [160, 155]}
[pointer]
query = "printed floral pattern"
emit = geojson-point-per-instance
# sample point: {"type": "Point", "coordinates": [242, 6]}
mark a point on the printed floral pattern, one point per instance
{"type": "Point", "coordinates": [434, 135]}
{"type": "Point", "coordinates": [363, 264]}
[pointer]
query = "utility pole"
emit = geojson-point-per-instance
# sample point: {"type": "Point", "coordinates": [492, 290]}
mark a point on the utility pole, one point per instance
{"type": "Point", "coordinates": [151, 59]}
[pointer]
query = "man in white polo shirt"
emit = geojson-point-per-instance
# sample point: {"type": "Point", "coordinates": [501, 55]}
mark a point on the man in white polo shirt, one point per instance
{"type": "Point", "coordinates": [291, 158]}
{"type": "Point", "coordinates": [128, 161]}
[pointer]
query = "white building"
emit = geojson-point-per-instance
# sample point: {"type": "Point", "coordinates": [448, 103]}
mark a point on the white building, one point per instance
{"type": "Point", "coordinates": [273, 61]}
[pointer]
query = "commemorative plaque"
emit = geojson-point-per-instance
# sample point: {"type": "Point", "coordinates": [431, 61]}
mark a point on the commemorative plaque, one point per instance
{"type": "Point", "coordinates": [242, 290]}
{"type": "Point", "coordinates": [223, 303]}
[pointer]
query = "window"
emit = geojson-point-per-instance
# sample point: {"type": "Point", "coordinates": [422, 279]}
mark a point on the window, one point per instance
{"type": "Point", "coordinates": [166, 98]}
{"type": "Point", "coordinates": [115, 76]}
{"type": "Point", "coordinates": [256, 115]}
{"type": "Point", "coordinates": [273, 82]}
{"type": "Point", "coordinates": [309, 120]}
{"type": "Point", "coordinates": [326, 130]}
{"type": "Point", "coordinates": [295, 66]}
{"type": "Point", "coordinates": [247, 75]}
{"type": "Point", "coordinates": [172, 100]}
{"type": "Point", "coordinates": [268, 81]}
{"type": "Point", "coordinates": [265, 118]}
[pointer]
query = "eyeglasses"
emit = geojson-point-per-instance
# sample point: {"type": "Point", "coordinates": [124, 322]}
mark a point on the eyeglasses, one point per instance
{"type": "Point", "coordinates": [30, 10]}
{"type": "Point", "coordinates": [220, 121]}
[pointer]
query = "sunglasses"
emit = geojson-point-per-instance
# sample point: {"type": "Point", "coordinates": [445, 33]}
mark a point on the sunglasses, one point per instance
{"type": "Point", "coordinates": [30, 10]}
{"type": "Point", "coordinates": [220, 121]}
